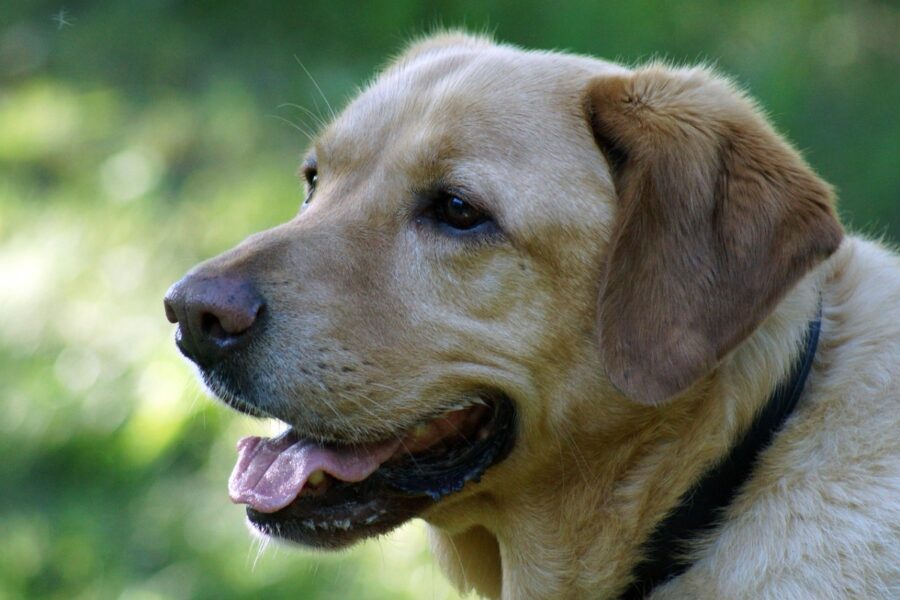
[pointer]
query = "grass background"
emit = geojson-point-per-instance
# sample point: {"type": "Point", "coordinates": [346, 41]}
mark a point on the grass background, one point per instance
{"type": "Point", "coordinates": [139, 136]}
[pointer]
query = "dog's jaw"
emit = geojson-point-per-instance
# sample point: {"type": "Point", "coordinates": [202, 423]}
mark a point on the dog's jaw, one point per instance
{"type": "Point", "coordinates": [330, 496]}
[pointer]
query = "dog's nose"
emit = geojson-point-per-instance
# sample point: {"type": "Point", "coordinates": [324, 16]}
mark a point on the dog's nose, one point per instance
{"type": "Point", "coordinates": [215, 315]}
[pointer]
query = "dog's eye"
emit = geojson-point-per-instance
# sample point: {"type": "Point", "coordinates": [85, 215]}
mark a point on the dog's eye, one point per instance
{"type": "Point", "coordinates": [455, 212]}
{"type": "Point", "coordinates": [312, 178]}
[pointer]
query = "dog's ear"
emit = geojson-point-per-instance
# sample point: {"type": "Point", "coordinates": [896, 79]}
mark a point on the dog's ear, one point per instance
{"type": "Point", "coordinates": [718, 217]}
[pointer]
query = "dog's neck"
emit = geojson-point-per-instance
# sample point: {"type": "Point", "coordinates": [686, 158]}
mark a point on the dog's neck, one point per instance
{"type": "Point", "coordinates": [667, 551]}
{"type": "Point", "coordinates": [618, 487]}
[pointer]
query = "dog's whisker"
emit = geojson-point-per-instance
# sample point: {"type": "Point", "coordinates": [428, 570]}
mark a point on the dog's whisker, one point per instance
{"type": "Point", "coordinates": [317, 120]}
{"type": "Point", "coordinates": [459, 559]}
{"type": "Point", "coordinates": [581, 463]}
{"type": "Point", "coordinates": [302, 130]}
{"type": "Point", "coordinates": [316, 84]}
{"type": "Point", "coordinates": [260, 550]}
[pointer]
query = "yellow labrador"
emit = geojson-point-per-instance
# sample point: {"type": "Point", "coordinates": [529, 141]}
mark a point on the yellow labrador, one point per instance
{"type": "Point", "coordinates": [598, 326]}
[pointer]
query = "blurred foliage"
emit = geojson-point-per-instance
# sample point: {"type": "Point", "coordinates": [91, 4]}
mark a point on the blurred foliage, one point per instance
{"type": "Point", "coordinates": [139, 136]}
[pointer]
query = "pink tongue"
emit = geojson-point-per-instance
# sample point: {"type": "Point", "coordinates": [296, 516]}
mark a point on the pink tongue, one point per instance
{"type": "Point", "coordinates": [270, 473]}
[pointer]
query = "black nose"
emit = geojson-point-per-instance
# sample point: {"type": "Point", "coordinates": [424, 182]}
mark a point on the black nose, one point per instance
{"type": "Point", "coordinates": [215, 315]}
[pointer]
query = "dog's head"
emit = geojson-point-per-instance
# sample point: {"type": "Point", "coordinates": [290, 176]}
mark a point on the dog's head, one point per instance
{"type": "Point", "coordinates": [492, 240]}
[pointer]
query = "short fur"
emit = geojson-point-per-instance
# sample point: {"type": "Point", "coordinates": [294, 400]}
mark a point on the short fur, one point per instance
{"type": "Point", "coordinates": [718, 219]}
{"type": "Point", "coordinates": [662, 252]}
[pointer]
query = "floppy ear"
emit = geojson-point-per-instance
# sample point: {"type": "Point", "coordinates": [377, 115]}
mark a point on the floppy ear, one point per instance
{"type": "Point", "coordinates": [718, 217]}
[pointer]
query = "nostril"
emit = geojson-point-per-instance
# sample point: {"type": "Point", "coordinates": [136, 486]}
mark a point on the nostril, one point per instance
{"type": "Point", "coordinates": [211, 326]}
{"type": "Point", "coordinates": [223, 323]}
{"type": "Point", "coordinates": [170, 311]}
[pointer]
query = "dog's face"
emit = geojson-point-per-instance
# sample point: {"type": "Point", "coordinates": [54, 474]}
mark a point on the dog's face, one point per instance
{"type": "Point", "coordinates": [432, 261]}
{"type": "Point", "coordinates": [435, 313]}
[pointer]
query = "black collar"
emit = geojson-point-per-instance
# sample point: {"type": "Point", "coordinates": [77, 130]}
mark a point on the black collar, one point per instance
{"type": "Point", "coordinates": [701, 507]}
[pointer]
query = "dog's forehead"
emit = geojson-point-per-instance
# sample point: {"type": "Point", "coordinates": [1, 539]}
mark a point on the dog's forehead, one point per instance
{"type": "Point", "coordinates": [456, 99]}
{"type": "Point", "coordinates": [505, 120]}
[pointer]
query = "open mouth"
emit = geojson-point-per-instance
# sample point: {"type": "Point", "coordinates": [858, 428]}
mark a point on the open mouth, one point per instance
{"type": "Point", "coordinates": [331, 495]}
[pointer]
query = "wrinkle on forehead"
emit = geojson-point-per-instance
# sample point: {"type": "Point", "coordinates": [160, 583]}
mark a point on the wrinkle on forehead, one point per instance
{"type": "Point", "coordinates": [464, 90]}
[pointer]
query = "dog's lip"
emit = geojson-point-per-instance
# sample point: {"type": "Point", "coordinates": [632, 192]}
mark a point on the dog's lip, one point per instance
{"type": "Point", "coordinates": [339, 513]}
{"type": "Point", "coordinates": [271, 472]}
{"type": "Point", "coordinates": [357, 511]}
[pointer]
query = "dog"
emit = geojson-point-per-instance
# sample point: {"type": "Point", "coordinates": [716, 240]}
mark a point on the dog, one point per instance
{"type": "Point", "coordinates": [598, 326]}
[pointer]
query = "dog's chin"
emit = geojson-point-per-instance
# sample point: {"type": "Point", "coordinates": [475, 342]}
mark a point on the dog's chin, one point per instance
{"type": "Point", "coordinates": [414, 470]}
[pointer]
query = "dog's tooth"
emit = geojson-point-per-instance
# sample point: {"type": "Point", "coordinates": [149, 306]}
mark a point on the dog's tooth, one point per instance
{"type": "Point", "coordinates": [308, 523]}
{"type": "Point", "coordinates": [316, 477]}
{"type": "Point", "coordinates": [371, 519]}
{"type": "Point", "coordinates": [480, 401]}
{"type": "Point", "coordinates": [419, 431]}
{"type": "Point", "coordinates": [339, 524]}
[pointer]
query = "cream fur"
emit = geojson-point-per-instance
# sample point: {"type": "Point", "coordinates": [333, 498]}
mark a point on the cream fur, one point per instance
{"type": "Point", "coordinates": [413, 318]}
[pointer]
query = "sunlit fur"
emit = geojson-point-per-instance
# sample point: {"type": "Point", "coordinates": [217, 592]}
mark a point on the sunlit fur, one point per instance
{"type": "Point", "coordinates": [376, 320]}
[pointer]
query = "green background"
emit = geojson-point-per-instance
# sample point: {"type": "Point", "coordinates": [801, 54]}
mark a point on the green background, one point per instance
{"type": "Point", "coordinates": [139, 136]}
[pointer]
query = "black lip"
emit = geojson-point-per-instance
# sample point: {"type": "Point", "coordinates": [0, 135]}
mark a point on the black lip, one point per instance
{"type": "Point", "coordinates": [395, 493]}
{"type": "Point", "coordinates": [438, 476]}
{"type": "Point", "coordinates": [351, 513]}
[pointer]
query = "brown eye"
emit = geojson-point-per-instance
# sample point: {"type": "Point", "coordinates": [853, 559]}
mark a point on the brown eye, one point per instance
{"type": "Point", "coordinates": [312, 178]}
{"type": "Point", "coordinates": [455, 212]}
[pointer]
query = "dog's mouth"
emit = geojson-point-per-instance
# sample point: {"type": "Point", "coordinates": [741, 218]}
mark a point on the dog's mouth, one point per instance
{"type": "Point", "coordinates": [332, 495]}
